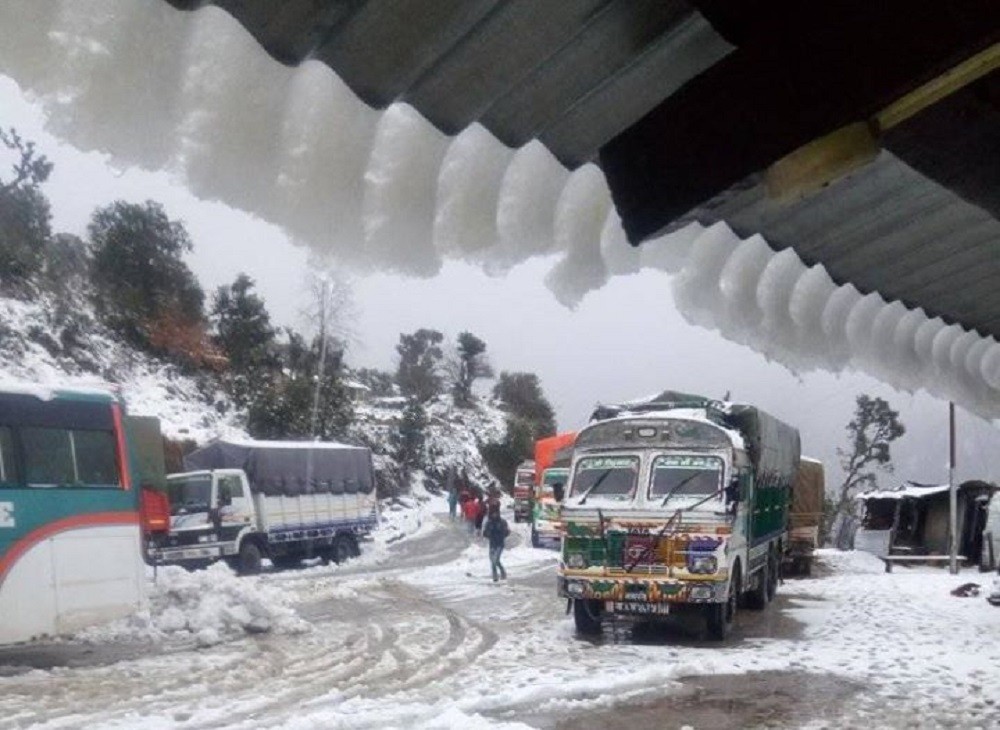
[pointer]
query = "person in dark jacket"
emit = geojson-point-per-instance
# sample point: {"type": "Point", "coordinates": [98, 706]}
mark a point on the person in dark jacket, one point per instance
{"type": "Point", "coordinates": [495, 530]}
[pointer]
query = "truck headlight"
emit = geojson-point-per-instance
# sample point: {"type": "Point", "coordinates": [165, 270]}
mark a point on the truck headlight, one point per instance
{"type": "Point", "coordinates": [576, 560]}
{"type": "Point", "coordinates": [701, 593]}
{"type": "Point", "coordinates": [574, 588]}
{"type": "Point", "coordinates": [703, 564]}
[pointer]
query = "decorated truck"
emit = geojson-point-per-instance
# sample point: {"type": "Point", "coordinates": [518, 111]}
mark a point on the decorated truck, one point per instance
{"type": "Point", "coordinates": [242, 501]}
{"type": "Point", "coordinates": [676, 504]}
{"type": "Point", "coordinates": [523, 491]}
{"type": "Point", "coordinates": [804, 517]}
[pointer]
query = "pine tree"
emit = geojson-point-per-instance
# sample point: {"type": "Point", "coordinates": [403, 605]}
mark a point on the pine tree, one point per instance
{"type": "Point", "coordinates": [420, 354]}
{"type": "Point", "coordinates": [244, 333]}
{"type": "Point", "coordinates": [139, 272]}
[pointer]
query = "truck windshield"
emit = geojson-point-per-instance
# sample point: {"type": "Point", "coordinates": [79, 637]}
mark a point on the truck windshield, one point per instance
{"type": "Point", "coordinates": [675, 475]}
{"type": "Point", "coordinates": [605, 476]}
{"type": "Point", "coordinates": [525, 479]}
{"type": "Point", "coordinates": [190, 494]}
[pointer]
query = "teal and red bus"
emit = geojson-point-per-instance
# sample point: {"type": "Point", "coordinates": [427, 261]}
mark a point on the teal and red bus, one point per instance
{"type": "Point", "coordinates": [70, 553]}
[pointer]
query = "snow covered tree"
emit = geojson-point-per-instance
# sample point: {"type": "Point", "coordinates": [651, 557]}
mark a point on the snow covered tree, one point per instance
{"type": "Point", "coordinates": [380, 383]}
{"type": "Point", "coordinates": [468, 365]}
{"type": "Point", "coordinates": [521, 394]}
{"type": "Point", "coordinates": [244, 333]}
{"type": "Point", "coordinates": [284, 409]}
{"type": "Point", "coordinates": [138, 270]}
{"type": "Point", "coordinates": [503, 457]}
{"type": "Point", "coordinates": [408, 441]}
{"type": "Point", "coordinates": [418, 374]}
{"type": "Point", "coordinates": [25, 217]}
{"type": "Point", "coordinates": [870, 434]}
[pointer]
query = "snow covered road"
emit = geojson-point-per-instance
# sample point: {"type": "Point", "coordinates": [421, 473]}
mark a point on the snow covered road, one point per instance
{"type": "Point", "coordinates": [416, 635]}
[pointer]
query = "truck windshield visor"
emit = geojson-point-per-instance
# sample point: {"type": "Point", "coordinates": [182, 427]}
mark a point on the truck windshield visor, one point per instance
{"type": "Point", "coordinates": [676, 475]}
{"type": "Point", "coordinates": [611, 477]}
{"type": "Point", "coordinates": [190, 494]}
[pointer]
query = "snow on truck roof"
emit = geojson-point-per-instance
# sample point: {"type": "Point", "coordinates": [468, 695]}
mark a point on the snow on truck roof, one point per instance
{"type": "Point", "coordinates": [909, 489]}
{"type": "Point", "coordinates": [253, 444]}
{"type": "Point", "coordinates": [698, 415]}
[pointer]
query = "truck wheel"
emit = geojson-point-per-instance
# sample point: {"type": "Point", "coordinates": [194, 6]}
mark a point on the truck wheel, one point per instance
{"type": "Point", "coordinates": [248, 561]}
{"type": "Point", "coordinates": [721, 616]}
{"type": "Point", "coordinates": [806, 566]}
{"type": "Point", "coordinates": [587, 616]}
{"type": "Point", "coordinates": [344, 549]}
{"type": "Point", "coordinates": [534, 537]}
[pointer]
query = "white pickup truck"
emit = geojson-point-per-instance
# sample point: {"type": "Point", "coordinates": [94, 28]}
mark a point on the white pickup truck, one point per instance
{"type": "Point", "coordinates": [242, 501]}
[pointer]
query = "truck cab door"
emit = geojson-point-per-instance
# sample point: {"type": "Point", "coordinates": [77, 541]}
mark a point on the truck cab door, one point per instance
{"type": "Point", "coordinates": [233, 502]}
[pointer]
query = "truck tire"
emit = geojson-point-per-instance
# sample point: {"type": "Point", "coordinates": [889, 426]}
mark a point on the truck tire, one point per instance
{"type": "Point", "coordinates": [534, 537]}
{"type": "Point", "coordinates": [720, 617]}
{"type": "Point", "coordinates": [248, 561]}
{"type": "Point", "coordinates": [587, 616]}
{"type": "Point", "coordinates": [344, 548]}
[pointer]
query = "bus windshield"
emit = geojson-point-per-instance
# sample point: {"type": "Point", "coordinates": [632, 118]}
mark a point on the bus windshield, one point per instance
{"type": "Point", "coordinates": [676, 475]}
{"type": "Point", "coordinates": [605, 476]}
{"type": "Point", "coordinates": [190, 494]}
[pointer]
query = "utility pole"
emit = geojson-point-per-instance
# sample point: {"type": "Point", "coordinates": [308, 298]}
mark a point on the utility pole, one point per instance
{"type": "Point", "coordinates": [324, 300]}
{"type": "Point", "coordinates": [952, 492]}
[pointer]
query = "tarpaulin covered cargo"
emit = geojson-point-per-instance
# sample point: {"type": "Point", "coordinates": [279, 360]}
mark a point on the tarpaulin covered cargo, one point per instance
{"type": "Point", "coordinates": [291, 468]}
{"type": "Point", "coordinates": [807, 495]}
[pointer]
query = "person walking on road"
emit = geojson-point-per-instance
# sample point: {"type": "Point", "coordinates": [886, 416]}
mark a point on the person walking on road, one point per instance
{"type": "Point", "coordinates": [480, 514]}
{"type": "Point", "coordinates": [452, 490]}
{"type": "Point", "coordinates": [470, 510]}
{"type": "Point", "coordinates": [495, 530]}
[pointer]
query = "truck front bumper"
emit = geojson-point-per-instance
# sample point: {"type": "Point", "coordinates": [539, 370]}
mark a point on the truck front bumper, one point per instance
{"type": "Point", "coordinates": [165, 556]}
{"type": "Point", "coordinates": [642, 590]}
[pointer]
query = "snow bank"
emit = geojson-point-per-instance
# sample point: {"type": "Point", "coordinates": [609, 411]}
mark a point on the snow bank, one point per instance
{"type": "Point", "coordinates": [210, 606]}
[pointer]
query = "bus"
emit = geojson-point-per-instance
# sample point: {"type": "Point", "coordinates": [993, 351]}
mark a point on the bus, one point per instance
{"type": "Point", "coordinates": [70, 553]}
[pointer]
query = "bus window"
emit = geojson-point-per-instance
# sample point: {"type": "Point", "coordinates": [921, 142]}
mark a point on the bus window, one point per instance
{"type": "Point", "coordinates": [8, 477]}
{"type": "Point", "coordinates": [56, 457]}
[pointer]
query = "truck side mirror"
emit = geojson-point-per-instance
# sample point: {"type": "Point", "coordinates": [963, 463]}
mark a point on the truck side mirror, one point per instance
{"type": "Point", "coordinates": [734, 492]}
{"type": "Point", "coordinates": [557, 491]}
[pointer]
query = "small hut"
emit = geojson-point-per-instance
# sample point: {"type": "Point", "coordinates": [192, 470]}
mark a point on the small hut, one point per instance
{"type": "Point", "coordinates": [913, 519]}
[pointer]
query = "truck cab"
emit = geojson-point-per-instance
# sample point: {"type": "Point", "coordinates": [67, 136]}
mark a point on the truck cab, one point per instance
{"type": "Point", "coordinates": [546, 526]}
{"type": "Point", "coordinates": [209, 511]}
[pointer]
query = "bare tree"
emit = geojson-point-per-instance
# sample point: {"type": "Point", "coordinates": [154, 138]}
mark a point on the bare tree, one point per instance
{"type": "Point", "coordinates": [870, 433]}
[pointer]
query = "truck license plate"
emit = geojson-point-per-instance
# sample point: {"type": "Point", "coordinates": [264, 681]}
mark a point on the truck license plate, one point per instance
{"type": "Point", "coordinates": [637, 607]}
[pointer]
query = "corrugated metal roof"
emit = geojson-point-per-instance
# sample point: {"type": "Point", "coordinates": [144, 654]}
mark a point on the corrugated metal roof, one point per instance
{"type": "Point", "coordinates": [687, 115]}
{"type": "Point", "coordinates": [572, 73]}
{"type": "Point", "coordinates": [886, 228]}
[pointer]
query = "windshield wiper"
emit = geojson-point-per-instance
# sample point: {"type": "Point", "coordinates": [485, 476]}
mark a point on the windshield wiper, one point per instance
{"type": "Point", "coordinates": [594, 486]}
{"type": "Point", "coordinates": [680, 484]}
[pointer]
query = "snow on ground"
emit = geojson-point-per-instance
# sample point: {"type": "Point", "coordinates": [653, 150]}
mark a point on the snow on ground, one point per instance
{"type": "Point", "coordinates": [427, 640]}
{"type": "Point", "coordinates": [208, 605]}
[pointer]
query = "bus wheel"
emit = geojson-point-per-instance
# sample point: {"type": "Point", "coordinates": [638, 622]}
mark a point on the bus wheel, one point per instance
{"type": "Point", "coordinates": [721, 616]}
{"type": "Point", "coordinates": [248, 562]}
{"type": "Point", "coordinates": [587, 615]}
